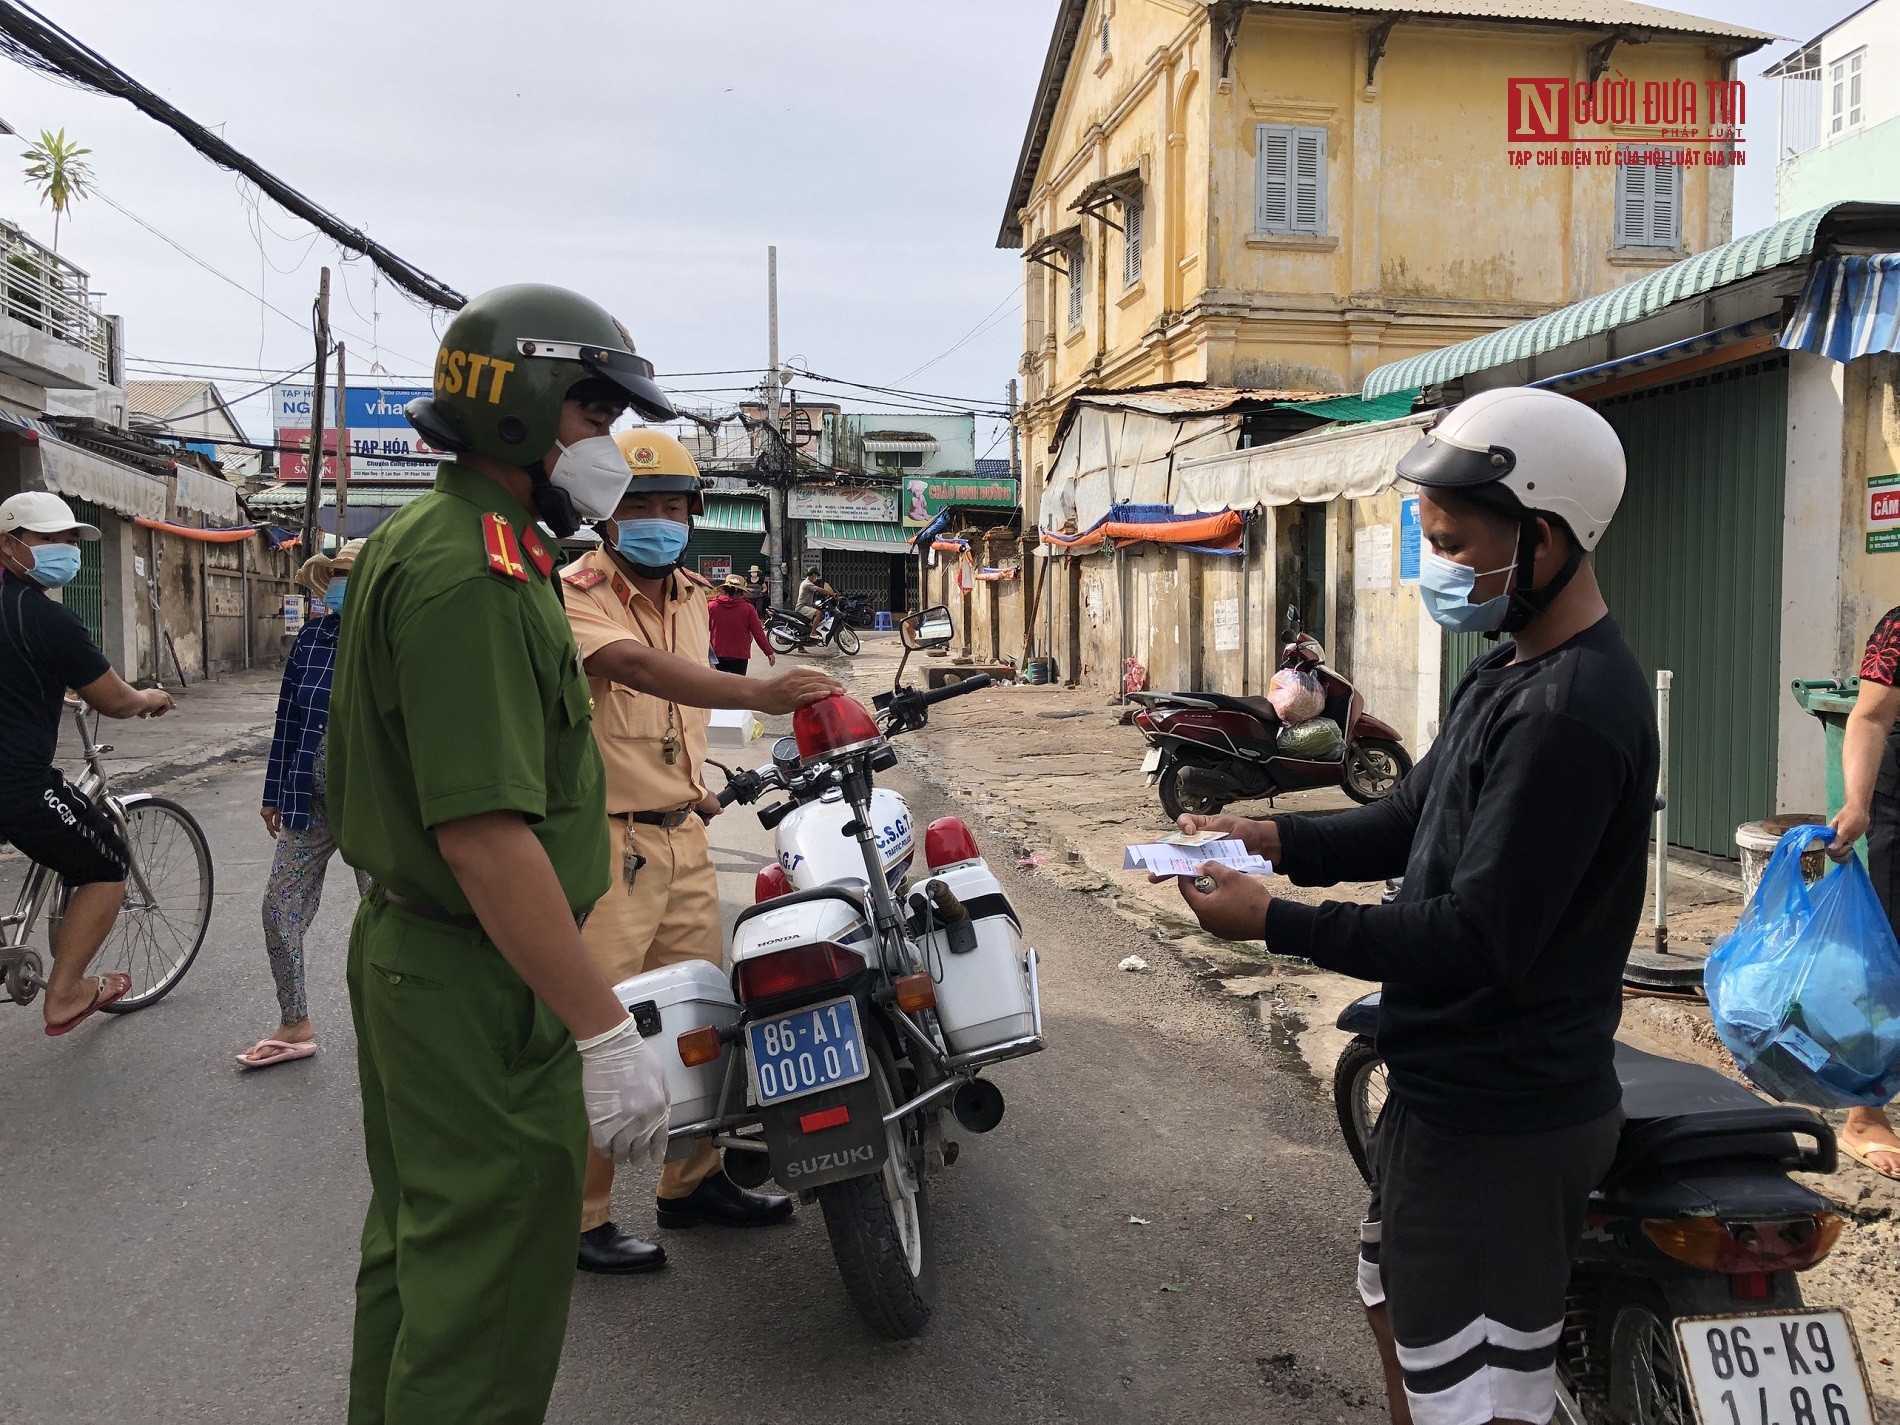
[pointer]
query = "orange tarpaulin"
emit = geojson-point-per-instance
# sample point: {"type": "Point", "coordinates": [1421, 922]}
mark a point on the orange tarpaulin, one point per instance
{"type": "Point", "coordinates": [1220, 528]}
{"type": "Point", "coordinates": [207, 536]}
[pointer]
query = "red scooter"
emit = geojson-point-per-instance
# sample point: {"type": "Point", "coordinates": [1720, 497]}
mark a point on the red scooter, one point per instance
{"type": "Point", "coordinates": [1206, 750]}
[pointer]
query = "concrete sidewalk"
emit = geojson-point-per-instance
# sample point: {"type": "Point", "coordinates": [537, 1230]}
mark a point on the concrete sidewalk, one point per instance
{"type": "Point", "coordinates": [221, 720]}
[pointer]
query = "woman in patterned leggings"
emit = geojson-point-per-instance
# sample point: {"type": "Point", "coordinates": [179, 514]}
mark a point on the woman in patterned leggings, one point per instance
{"type": "Point", "coordinates": [294, 811]}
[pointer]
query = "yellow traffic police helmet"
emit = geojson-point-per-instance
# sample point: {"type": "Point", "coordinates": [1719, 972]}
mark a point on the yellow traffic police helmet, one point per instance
{"type": "Point", "coordinates": [660, 464]}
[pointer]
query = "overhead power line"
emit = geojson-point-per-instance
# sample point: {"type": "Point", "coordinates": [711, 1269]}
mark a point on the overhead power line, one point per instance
{"type": "Point", "coordinates": [35, 41]}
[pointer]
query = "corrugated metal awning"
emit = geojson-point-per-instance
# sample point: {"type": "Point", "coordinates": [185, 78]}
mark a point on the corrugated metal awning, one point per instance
{"type": "Point", "coordinates": [1787, 241]}
{"type": "Point", "coordinates": [733, 516]}
{"type": "Point", "coordinates": [291, 496]}
{"type": "Point", "coordinates": [1850, 308]}
{"type": "Point", "coordinates": [208, 495]}
{"type": "Point", "coordinates": [900, 444]}
{"type": "Point", "coordinates": [860, 535]}
{"type": "Point", "coordinates": [71, 470]}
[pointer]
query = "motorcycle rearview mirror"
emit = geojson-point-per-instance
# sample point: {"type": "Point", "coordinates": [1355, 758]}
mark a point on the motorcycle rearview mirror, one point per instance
{"type": "Point", "coordinates": [931, 628]}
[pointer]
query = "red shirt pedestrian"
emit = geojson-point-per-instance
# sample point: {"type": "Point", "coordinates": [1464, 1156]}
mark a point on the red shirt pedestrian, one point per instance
{"type": "Point", "coordinates": [735, 628]}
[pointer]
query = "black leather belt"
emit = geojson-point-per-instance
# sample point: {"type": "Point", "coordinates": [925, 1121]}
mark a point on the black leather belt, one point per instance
{"type": "Point", "coordinates": [430, 911]}
{"type": "Point", "coordinates": [665, 820]}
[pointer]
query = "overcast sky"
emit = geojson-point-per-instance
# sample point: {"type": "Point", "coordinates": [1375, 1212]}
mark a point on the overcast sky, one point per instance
{"type": "Point", "coordinates": [643, 153]}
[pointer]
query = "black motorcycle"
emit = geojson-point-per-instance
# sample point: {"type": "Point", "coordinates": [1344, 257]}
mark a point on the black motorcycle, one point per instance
{"type": "Point", "coordinates": [1684, 1305]}
{"type": "Point", "coordinates": [791, 632]}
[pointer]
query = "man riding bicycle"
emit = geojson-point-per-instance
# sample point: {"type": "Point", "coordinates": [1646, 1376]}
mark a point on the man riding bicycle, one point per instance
{"type": "Point", "coordinates": [1522, 837]}
{"type": "Point", "coordinates": [44, 650]}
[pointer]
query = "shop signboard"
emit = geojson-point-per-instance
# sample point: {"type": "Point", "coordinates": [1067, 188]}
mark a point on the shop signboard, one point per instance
{"type": "Point", "coordinates": [715, 568]}
{"type": "Point", "coordinates": [1883, 514]}
{"type": "Point", "coordinates": [836, 502]}
{"type": "Point", "coordinates": [927, 496]}
{"type": "Point", "coordinates": [379, 433]}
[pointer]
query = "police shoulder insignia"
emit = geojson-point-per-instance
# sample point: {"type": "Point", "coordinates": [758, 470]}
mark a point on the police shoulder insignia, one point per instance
{"type": "Point", "coordinates": [504, 553]}
{"type": "Point", "coordinates": [537, 551]}
{"type": "Point", "coordinates": [583, 578]}
{"type": "Point", "coordinates": [694, 579]}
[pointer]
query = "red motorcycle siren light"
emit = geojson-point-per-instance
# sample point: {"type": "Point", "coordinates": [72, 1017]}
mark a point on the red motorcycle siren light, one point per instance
{"type": "Point", "coordinates": [800, 968]}
{"type": "Point", "coordinates": [831, 725]}
{"type": "Point", "coordinates": [771, 883]}
{"type": "Point", "coordinates": [947, 841]}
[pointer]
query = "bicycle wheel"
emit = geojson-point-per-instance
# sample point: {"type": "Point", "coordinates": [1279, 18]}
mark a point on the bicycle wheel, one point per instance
{"type": "Point", "coordinates": [154, 941]}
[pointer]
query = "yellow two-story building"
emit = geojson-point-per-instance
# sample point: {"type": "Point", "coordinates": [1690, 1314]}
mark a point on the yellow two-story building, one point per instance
{"type": "Point", "coordinates": [1284, 194]}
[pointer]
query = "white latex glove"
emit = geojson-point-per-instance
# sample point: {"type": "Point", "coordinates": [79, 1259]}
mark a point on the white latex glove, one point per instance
{"type": "Point", "coordinates": [624, 1088]}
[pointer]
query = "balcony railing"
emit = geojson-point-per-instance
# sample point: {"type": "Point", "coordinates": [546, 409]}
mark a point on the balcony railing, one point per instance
{"type": "Point", "coordinates": [42, 290]}
{"type": "Point", "coordinates": [1801, 94]}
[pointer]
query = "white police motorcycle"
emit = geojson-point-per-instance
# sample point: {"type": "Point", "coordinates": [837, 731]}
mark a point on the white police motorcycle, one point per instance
{"type": "Point", "coordinates": [866, 995]}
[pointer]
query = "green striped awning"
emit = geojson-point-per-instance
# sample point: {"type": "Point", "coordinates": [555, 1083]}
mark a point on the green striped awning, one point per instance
{"type": "Point", "coordinates": [732, 516]}
{"type": "Point", "coordinates": [863, 535]}
{"type": "Point", "coordinates": [1358, 409]}
{"type": "Point", "coordinates": [1784, 242]}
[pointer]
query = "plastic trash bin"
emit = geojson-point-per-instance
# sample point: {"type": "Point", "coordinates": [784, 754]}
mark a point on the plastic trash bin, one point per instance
{"type": "Point", "coordinates": [1831, 700]}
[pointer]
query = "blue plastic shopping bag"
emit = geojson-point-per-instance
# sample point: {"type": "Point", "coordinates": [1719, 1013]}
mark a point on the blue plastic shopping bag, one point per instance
{"type": "Point", "coordinates": [1805, 991]}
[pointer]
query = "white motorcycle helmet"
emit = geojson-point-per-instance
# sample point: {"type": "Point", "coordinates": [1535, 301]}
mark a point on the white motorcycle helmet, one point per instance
{"type": "Point", "coordinates": [1527, 452]}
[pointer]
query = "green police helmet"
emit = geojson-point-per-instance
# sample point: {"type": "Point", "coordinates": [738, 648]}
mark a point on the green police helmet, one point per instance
{"type": "Point", "coordinates": [508, 360]}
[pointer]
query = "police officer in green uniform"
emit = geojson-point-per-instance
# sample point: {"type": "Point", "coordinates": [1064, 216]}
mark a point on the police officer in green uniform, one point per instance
{"type": "Point", "coordinates": [465, 780]}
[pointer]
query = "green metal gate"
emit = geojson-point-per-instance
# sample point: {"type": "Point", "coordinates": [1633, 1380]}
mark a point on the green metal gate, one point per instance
{"type": "Point", "coordinates": [85, 596]}
{"type": "Point", "coordinates": [1692, 569]}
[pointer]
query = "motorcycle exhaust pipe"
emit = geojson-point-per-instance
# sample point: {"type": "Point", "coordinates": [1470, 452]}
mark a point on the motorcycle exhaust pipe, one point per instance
{"type": "Point", "coordinates": [978, 1105]}
{"type": "Point", "coordinates": [750, 1168]}
{"type": "Point", "coordinates": [1214, 782]}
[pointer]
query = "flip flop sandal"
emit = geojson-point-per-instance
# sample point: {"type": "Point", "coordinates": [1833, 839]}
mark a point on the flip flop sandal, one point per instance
{"type": "Point", "coordinates": [1864, 1156]}
{"type": "Point", "coordinates": [100, 999]}
{"type": "Point", "coordinates": [289, 1053]}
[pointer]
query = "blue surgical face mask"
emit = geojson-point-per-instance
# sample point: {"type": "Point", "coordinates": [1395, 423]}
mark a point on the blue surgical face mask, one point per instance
{"type": "Point", "coordinates": [55, 565]}
{"type": "Point", "coordinates": [333, 594]}
{"type": "Point", "coordinates": [652, 544]}
{"type": "Point", "coordinates": [1445, 585]}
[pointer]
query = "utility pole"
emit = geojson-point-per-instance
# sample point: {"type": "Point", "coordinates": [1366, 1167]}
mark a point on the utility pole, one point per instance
{"type": "Point", "coordinates": [342, 450]}
{"type": "Point", "coordinates": [1015, 446]}
{"type": "Point", "coordinates": [313, 481]}
{"type": "Point", "coordinates": [778, 545]}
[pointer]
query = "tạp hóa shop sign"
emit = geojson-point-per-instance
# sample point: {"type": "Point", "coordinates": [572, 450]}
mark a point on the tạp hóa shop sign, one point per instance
{"type": "Point", "coordinates": [927, 496]}
{"type": "Point", "coordinates": [1883, 514]}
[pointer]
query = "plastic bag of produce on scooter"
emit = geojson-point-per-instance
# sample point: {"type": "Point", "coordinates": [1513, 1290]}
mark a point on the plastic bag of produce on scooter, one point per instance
{"type": "Point", "coordinates": [1805, 991]}
{"type": "Point", "coordinates": [1296, 695]}
{"type": "Point", "coordinates": [1318, 739]}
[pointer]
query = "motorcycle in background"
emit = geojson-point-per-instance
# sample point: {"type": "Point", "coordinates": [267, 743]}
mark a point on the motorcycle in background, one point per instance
{"type": "Point", "coordinates": [1684, 1304]}
{"type": "Point", "coordinates": [866, 997]}
{"type": "Point", "coordinates": [791, 632]}
{"type": "Point", "coordinates": [1206, 750]}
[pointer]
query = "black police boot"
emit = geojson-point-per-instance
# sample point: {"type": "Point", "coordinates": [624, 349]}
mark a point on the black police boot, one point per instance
{"type": "Point", "coordinates": [720, 1202]}
{"type": "Point", "coordinates": [608, 1250]}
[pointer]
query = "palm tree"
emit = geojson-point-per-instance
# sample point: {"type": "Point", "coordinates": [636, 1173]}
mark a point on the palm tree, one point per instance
{"type": "Point", "coordinates": [57, 166]}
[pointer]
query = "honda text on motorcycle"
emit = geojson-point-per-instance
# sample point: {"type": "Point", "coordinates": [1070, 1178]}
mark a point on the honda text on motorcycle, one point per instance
{"type": "Point", "coordinates": [866, 996]}
{"type": "Point", "coordinates": [1206, 750]}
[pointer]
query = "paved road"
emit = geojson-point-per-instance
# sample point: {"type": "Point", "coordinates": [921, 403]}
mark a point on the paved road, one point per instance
{"type": "Point", "coordinates": [182, 1238]}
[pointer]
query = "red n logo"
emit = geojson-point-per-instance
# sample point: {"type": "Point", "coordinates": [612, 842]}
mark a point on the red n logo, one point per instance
{"type": "Point", "coordinates": [1539, 109]}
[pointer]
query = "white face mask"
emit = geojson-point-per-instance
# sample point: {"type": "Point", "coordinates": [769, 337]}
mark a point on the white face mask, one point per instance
{"type": "Point", "coordinates": [594, 473]}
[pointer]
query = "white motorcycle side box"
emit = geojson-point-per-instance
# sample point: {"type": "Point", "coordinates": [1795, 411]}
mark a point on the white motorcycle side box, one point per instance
{"type": "Point", "coordinates": [665, 1003]}
{"type": "Point", "coordinates": [833, 918]}
{"type": "Point", "coordinates": [983, 995]}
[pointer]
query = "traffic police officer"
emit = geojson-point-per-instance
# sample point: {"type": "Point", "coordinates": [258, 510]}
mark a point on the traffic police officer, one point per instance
{"type": "Point", "coordinates": [464, 779]}
{"type": "Point", "coordinates": [628, 602]}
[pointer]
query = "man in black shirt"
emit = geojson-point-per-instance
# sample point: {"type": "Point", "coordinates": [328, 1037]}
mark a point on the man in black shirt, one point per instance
{"type": "Point", "coordinates": [1522, 838]}
{"type": "Point", "coordinates": [45, 650]}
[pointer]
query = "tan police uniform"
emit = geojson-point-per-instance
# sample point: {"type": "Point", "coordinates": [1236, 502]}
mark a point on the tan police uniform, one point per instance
{"type": "Point", "coordinates": [664, 905]}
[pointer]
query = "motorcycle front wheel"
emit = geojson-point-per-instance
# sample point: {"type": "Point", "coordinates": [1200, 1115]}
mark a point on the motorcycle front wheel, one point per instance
{"type": "Point", "coordinates": [880, 1229]}
{"type": "Point", "coordinates": [1175, 800]}
{"type": "Point", "coordinates": [1374, 769]}
{"type": "Point", "coordinates": [782, 639]}
{"type": "Point", "coordinates": [846, 638]}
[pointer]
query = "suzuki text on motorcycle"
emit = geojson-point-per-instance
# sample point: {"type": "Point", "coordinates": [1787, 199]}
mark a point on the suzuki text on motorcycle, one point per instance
{"type": "Point", "coordinates": [866, 996]}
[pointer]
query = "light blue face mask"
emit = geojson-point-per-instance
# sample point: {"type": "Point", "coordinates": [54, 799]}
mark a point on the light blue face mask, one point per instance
{"type": "Point", "coordinates": [652, 544]}
{"type": "Point", "coordinates": [1445, 585]}
{"type": "Point", "coordinates": [55, 565]}
{"type": "Point", "coordinates": [333, 593]}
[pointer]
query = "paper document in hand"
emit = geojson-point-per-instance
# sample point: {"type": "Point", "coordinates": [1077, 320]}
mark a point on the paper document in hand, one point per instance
{"type": "Point", "coordinates": [1164, 858]}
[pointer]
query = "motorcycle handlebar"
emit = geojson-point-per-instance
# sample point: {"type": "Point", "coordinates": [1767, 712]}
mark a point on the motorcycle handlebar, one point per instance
{"type": "Point", "coordinates": [973, 684]}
